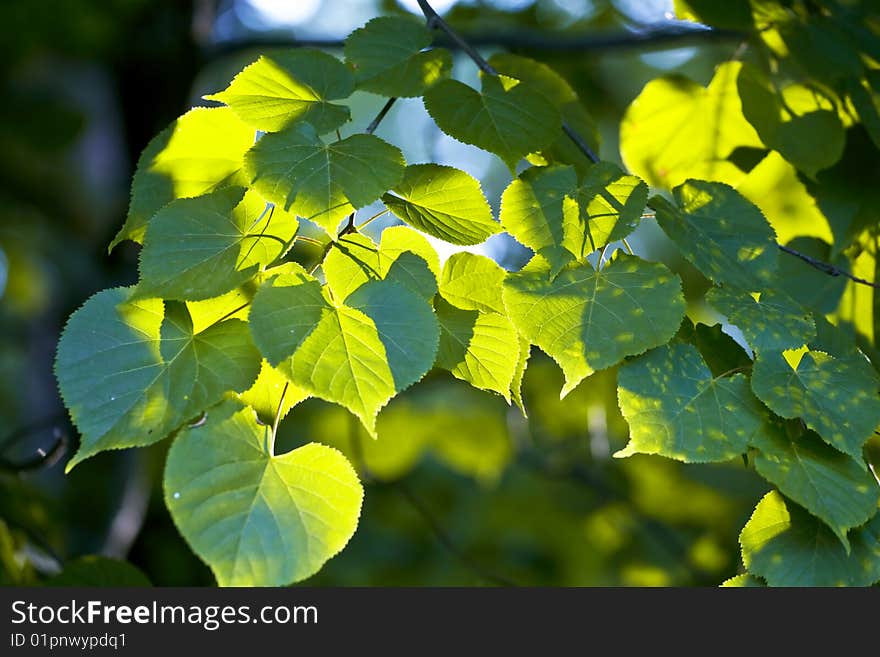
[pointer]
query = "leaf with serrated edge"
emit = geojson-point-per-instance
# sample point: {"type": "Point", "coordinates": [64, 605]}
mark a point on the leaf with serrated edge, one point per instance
{"type": "Point", "coordinates": [507, 118]}
{"type": "Point", "coordinates": [403, 256]}
{"type": "Point", "coordinates": [588, 320]}
{"type": "Point", "coordinates": [788, 547]}
{"type": "Point", "coordinates": [829, 484]}
{"type": "Point", "coordinates": [721, 233]}
{"type": "Point", "coordinates": [388, 57]}
{"type": "Point", "coordinates": [130, 372]}
{"type": "Point", "coordinates": [675, 407]}
{"type": "Point", "coordinates": [200, 248]}
{"type": "Point", "coordinates": [475, 347]}
{"type": "Point", "coordinates": [199, 152]}
{"type": "Point", "coordinates": [444, 202]}
{"type": "Point", "coordinates": [539, 209]}
{"type": "Point", "coordinates": [358, 355]}
{"type": "Point", "coordinates": [288, 87]}
{"type": "Point", "coordinates": [611, 202]}
{"type": "Point", "coordinates": [322, 182]}
{"type": "Point", "coordinates": [742, 582]}
{"type": "Point", "coordinates": [836, 397]}
{"type": "Point", "coordinates": [774, 321]}
{"type": "Point", "coordinates": [473, 282]}
{"type": "Point", "coordinates": [255, 518]}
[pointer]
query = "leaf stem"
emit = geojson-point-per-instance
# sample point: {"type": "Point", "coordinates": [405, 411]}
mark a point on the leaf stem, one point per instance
{"type": "Point", "coordinates": [309, 240]}
{"type": "Point", "coordinates": [373, 218]}
{"type": "Point", "coordinates": [277, 419]}
{"type": "Point", "coordinates": [826, 267]}
{"type": "Point", "coordinates": [381, 115]}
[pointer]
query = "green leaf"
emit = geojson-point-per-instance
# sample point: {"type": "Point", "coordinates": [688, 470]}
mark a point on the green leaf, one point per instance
{"type": "Point", "coordinates": [829, 484]}
{"type": "Point", "coordinates": [612, 203]}
{"type": "Point", "coordinates": [358, 355]}
{"type": "Point", "coordinates": [540, 210]}
{"type": "Point", "coordinates": [720, 233]}
{"type": "Point", "coordinates": [821, 48]}
{"type": "Point", "coordinates": [255, 518]}
{"type": "Point", "coordinates": [720, 352]}
{"type": "Point", "coordinates": [322, 182]}
{"type": "Point", "coordinates": [289, 87]}
{"type": "Point", "coordinates": [272, 393]}
{"type": "Point", "coordinates": [836, 397]}
{"type": "Point", "coordinates": [444, 202]}
{"type": "Point", "coordinates": [130, 372]}
{"type": "Point", "coordinates": [475, 347]}
{"type": "Point", "coordinates": [772, 322]}
{"type": "Point", "coordinates": [811, 139]}
{"type": "Point", "coordinates": [389, 58]}
{"type": "Point", "coordinates": [675, 407]}
{"type": "Point", "coordinates": [676, 129]}
{"type": "Point", "coordinates": [588, 320]}
{"type": "Point", "coordinates": [788, 547]}
{"type": "Point", "coordinates": [199, 152]}
{"type": "Point", "coordinates": [473, 282]}
{"type": "Point", "coordinates": [540, 77]}
{"type": "Point", "coordinates": [403, 256]}
{"type": "Point", "coordinates": [731, 15]}
{"type": "Point", "coordinates": [94, 570]}
{"type": "Point", "coordinates": [547, 82]}
{"type": "Point", "coordinates": [743, 581]}
{"type": "Point", "coordinates": [507, 117]}
{"type": "Point", "coordinates": [199, 248]}
{"type": "Point", "coordinates": [522, 361]}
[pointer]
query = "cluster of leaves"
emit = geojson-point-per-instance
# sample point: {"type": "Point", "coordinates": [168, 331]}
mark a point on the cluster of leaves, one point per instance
{"type": "Point", "coordinates": [224, 333]}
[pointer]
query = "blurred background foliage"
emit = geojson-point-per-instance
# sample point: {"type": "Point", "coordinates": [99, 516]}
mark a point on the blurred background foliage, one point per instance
{"type": "Point", "coordinates": [461, 489]}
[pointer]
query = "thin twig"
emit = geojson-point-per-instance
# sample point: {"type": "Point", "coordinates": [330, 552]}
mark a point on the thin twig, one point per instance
{"type": "Point", "coordinates": [826, 267]}
{"type": "Point", "coordinates": [373, 218]}
{"type": "Point", "coordinates": [381, 115]}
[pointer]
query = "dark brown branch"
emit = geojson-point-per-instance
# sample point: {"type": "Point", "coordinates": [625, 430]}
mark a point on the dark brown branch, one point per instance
{"type": "Point", "coordinates": [44, 458]}
{"type": "Point", "coordinates": [648, 38]}
{"type": "Point", "coordinates": [826, 267]}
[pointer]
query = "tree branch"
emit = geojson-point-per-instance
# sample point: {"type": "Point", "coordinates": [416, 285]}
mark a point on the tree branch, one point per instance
{"type": "Point", "coordinates": [826, 267]}
{"type": "Point", "coordinates": [645, 38]}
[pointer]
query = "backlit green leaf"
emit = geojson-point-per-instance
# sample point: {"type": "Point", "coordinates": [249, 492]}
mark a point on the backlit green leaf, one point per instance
{"type": "Point", "coordinates": [473, 282]}
{"type": "Point", "coordinates": [540, 210]}
{"type": "Point", "coordinates": [812, 138]}
{"type": "Point", "coordinates": [588, 320]}
{"type": "Point", "coordinates": [675, 407]}
{"type": "Point", "coordinates": [403, 256]}
{"type": "Point", "coordinates": [476, 347]}
{"type": "Point", "coordinates": [199, 152]}
{"type": "Point", "coordinates": [258, 519]}
{"type": "Point", "coordinates": [676, 129]}
{"type": "Point", "coordinates": [788, 547]}
{"type": "Point", "coordinates": [743, 581]}
{"type": "Point", "coordinates": [836, 397]}
{"type": "Point", "coordinates": [388, 57]}
{"type": "Point", "coordinates": [721, 233]}
{"type": "Point", "coordinates": [507, 117]}
{"type": "Point", "coordinates": [322, 182]}
{"type": "Point", "coordinates": [131, 372]}
{"type": "Point", "coordinates": [612, 203]}
{"type": "Point", "coordinates": [271, 394]}
{"type": "Point", "coordinates": [358, 355]}
{"type": "Point", "coordinates": [199, 248]}
{"type": "Point", "coordinates": [290, 86]}
{"type": "Point", "coordinates": [444, 202]}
